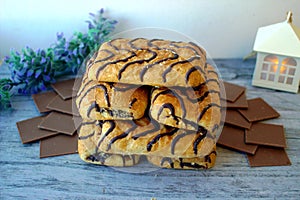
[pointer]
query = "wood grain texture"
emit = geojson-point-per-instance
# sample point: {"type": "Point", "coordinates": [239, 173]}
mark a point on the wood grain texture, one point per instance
{"type": "Point", "coordinates": [24, 176]}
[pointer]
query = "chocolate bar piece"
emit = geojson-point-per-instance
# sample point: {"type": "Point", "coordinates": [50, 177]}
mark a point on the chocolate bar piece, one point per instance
{"type": "Point", "coordinates": [269, 156]}
{"type": "Point", "coordinates": [234, 138]}
{"type": "Point", "coordinates": [59, 122]}
{"type": "Point", "coordinates": [65, 106]}
{"type": "Point", "coordinates": [41, 100]}
{"type": "Point", "coordinates": [266, 134]}
{"type": "Point", "coordinates": [58, 145]}
{"type": "Point", "coordinates": [258, 110]}
{"type": "Point", "coordinates": [241, 103]}
{"type": "Point", "coordinates": [64, 88]}
{"type": "Point", "coordinates": [233, 91]}
{"type": "Point", "coordinates": [29, 131]}
{"type": "Point", "coordinates": [234, 118]}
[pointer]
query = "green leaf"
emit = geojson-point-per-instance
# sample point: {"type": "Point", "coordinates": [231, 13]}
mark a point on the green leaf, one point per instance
{"type": "Point", "coordinates": [5, 87]}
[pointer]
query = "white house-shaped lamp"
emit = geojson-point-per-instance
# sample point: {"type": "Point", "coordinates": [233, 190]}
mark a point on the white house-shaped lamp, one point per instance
{"type": "Point", "coordinates": [278, 56]}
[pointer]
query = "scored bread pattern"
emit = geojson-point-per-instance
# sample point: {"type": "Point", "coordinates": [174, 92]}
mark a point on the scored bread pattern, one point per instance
{"type": "Point", "coordinates": [205, 162]}
{"type": "Point", "coordinates": [188, 108]}
{"type": "Point", "coordinates": [149, 62]}
{"type": "Point", "coordinates": [88, 153]}
{"type": "Point", "coordinates": [103, 101]}
{"type": "Point", "coordinates": [144, 138]}
{"type": "Point", "coordinates": [94, 155]}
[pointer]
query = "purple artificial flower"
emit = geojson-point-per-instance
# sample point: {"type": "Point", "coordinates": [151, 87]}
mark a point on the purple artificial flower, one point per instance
{"type": "Point", "coordinates": [38, 51]}
{"type": "Point", "coordinates": [25, 65]}
{"type": "Point", "coordinates": [6, 59]}
{"type": "Point", "coordinates": [43, 53]}
{"type": "Point", "coordinates": [90, 26]}
{"type": "Point", "coordinates": [42, 86]}
{"type": "Point", "coordinates": [20, 91]}
{"type": "Point", "coordinates": [101, 11]}
{"type": "Point", "coordinates": [92, 14]}
{"type": "Point", "coordinates": [30, 72]}
{"type": "Point", "coordinates": [22, 58]}
{"type": "Point", "coordinates": [37, 73]}
{"type": "Point", "coordinates": [113, 22]}
{"type": "Point", "coordinates": [46, 78]}
{"type": "Point", "coordinates": [74, 52]}
{"type": "Point", "coordinates": [21, 72]}
{"type": "Point", "coordinates": [43, 60]}
{"type": "Point", "coordinates": [59, 35]}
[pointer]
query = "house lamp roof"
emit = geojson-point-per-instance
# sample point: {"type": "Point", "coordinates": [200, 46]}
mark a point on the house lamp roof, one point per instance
{"type": "Point", "coordinates": [281, 38]}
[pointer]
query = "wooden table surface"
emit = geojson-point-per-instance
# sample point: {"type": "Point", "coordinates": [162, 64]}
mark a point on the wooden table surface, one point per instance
{"type": "Point", "coordinates": [23, 175]}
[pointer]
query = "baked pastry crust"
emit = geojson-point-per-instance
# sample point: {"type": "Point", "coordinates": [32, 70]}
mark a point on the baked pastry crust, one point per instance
{"type": "Point", "coordinates": [107, 101]}
{"type": "Point", "coordinates": [88, 152]}
{"type": "Point", "coordinates": [189, 108]}
{"type": "Point", "coordinates": [127, 78]}
{"type": "Point", "coordinates": [149, 62]}
{"type": "Point", "coordinates": [205, 162]}
{"type": "Point", "coordinates": [146, 137]}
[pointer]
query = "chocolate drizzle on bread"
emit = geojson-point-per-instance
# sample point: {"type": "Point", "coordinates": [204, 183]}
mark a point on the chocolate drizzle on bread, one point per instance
{"type": "Point", "coordinates": [155, 98]}
{"type": "Point", "coordinates": [185, 163]}
{"type": "Point", "coordinates": [171, 63]}
{"type": "Point", "coordinates": [100, 100]}
{"type": "Point", "coordinates": [121, 136]}
{"type": "Point", "coordinates": [147, 67]}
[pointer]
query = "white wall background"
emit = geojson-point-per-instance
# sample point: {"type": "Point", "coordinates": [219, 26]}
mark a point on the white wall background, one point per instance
{"type": "Point", "coordinates": [226, 28]}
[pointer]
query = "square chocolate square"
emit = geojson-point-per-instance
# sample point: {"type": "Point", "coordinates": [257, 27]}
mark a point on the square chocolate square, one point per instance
{"type": "Point", "coordinates": [269, 156]}
{"type": "Point", "coordinates": [29, 131]}
{"type": "Point", "coordinates": [258, 110]}
{"type": "Point", "coordinates": [65, 106]}
{"type": "Point", "coordinates": [241, 103]}
{"type": "Point", "coordinates": [234, 138]}
{"type": "Point", "coordinates": [266, 134]}
{"type": "Point", "coordinates": [41, 100]}
{"type": "Point", "coordinates": [233, 91]}
{"type": "Point", "coordinates": [234, 118]}
{"type": "Point", "coordinates": [58, 145]}
{"type": "Point", "coordinates": [59, 122]}
{"type": "Point", "coordinates": [65, 88]}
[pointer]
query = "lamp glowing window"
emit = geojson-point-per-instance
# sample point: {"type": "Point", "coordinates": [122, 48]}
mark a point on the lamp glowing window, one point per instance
{"type": "Point", "coordinates": [275, 70]}
{"type": "Point", "coordinates": [289, 61]}
{"type": "Point", "coordinates": [283, 70]}
{"type": "Point", "coordinates": [287, 71]}
{"type": "Point", "coordinates": [269, 68]}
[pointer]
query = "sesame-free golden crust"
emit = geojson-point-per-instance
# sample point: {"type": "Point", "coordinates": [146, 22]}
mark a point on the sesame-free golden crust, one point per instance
{"type": "Point", "coordinates": [197, 163]}
{"type": "Point", "coordinates": [88, 153]}
{"type": "Point", "coordinates": [107, 101]}
{"type": "Point", "coordinates": [145, 137]}
{"type": "Point", "coordinates": [149, 62]}
{"type": "Point", "coordinates": [189, 108]}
